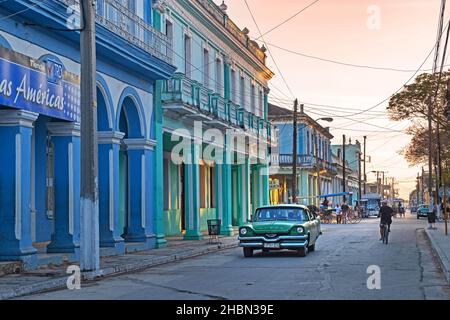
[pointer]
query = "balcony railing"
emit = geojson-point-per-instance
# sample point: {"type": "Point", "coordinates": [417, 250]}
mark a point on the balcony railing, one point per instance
{"type": "Point", "coordinates": [303, 161]}
{"type": "Point", "coordinates": [288, 160]}
{"type": "Point", "coordinates": [115, 16]}
{"type": "Point", "coordinates": [192, 94]}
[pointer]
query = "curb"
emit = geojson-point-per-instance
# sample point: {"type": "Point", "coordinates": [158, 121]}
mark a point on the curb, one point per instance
{"type": "Point", "coordinates": [445, 263]}
{"type": "Point", "coordinates": [61, 282]}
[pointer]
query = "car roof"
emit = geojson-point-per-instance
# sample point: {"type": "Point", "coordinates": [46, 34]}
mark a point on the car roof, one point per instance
{"type": "Point", "coordinates": [292, 205]}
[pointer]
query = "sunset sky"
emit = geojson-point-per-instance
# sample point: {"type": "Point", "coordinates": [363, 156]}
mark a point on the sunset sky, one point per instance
{"type": "Point", "coordinates": [338, 30]}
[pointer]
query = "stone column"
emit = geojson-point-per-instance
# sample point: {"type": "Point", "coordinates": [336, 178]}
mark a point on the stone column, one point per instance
{"type": "Point", "coordinates": [108, 162]}
{"type": "Point", "coordinates": [224, 188]}
{"type": "Point", "coordinates": [244, 191]}
{"type": "Point", "coordinates": [139, 226]}
{"type": "Point", "coordinates": [192, 197]}
{"type": "Point", "coordinates": [66, 141]}
{"type": "Point", "coordinates": [15, 190]}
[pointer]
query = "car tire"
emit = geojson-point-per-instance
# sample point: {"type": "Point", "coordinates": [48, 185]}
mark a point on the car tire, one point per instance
{"type": "Point", "coordinates": [302, 252]}
{"type": "Point", "coordinates": [312, 248]}
{"type": "Point", "coordinates": [248, 252]}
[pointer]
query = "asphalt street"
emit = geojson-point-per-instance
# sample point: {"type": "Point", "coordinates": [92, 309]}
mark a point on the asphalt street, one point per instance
{"type": "Point", "coordinates": [336, 270]}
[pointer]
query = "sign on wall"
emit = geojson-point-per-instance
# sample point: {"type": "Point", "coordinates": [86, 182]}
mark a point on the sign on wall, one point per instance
{"type": "Point", "coordinates": [39, 86]}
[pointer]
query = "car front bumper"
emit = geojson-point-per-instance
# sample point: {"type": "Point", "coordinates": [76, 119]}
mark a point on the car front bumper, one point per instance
{"type": "Point", "coordinates": [276, 243]}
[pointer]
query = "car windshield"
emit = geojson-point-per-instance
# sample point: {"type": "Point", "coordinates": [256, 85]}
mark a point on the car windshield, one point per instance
{"type": "Point", "coordinates": [281, 214]}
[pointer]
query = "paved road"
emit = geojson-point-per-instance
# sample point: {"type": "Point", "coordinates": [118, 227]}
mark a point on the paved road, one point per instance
{"type": "Point", "coordinates": [336, 270]}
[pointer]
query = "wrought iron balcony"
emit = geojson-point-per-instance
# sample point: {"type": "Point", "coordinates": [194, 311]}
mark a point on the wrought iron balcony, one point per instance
{"type": "Point", "coordinates": [115, 16]}
{"type": "Point", "coordinates": [304, 161]}
{"type": "Point", "coordinates": [188, 97]}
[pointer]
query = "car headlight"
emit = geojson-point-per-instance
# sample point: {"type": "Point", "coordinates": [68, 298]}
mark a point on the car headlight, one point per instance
{"type": "Point", "coordinates": [243, 231]}
{"type": "Point", "coordinates": [300, 230]}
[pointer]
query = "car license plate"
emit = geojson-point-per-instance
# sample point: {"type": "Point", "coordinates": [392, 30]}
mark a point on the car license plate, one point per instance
{"type": "Point", "coordinates": [271, 245]}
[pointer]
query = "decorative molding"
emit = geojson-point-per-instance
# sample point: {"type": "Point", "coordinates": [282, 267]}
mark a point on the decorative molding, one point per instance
{"type": "Point", "coordinates": [110, 137]}
{"type": "Point", "coordinates": [255, 68]}
{"type": "Point", "coordinates": [64, 129]}
{"type": "Point", "coordinates": [140, 144]}
{"type": "Point", "coordinates": [17, 118]}
{"type": "Point", "coordinates": [160, 6]}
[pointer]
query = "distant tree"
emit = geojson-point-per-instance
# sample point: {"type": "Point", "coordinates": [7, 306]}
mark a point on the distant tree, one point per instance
{"type": "Point", "coordinates": [411, 103]}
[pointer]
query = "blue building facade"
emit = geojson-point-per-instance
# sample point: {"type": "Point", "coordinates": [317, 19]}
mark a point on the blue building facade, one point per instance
{"type": "Point", "coordinates": [314, 162]}
{"type": "Point", "coordinates": [40, 125]}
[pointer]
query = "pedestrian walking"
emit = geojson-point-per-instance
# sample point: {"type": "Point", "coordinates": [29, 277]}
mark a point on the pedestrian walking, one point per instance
{"type": "Point", "coordinates": [338, 214]}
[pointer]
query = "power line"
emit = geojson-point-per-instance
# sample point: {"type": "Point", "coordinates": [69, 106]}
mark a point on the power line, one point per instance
{"type": "Point", "coordinates": [399, 89]}
{"type": "Point", "coordinates": [288, 19]}
{"type": "Point", "coordinates": [214, 81]}
{"type": "Point", "coordinates": [268, 49]}
{"type": "Point", "coordinates": [346, 63]}
{"type": "Point", "coordinates": [22, 11]}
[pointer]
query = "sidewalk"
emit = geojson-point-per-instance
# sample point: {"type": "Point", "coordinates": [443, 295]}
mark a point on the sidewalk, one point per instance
{"type": "Point", "coordinates": [54, 277]}
{"type": "Point", "coordinates": [441, 245]}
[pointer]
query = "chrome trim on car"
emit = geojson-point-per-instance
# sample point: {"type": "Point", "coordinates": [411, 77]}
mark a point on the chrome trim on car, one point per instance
{"type": "Point", "coordinates": [283, 245]}
{"type": "Point", "coordinates": [262, 238]}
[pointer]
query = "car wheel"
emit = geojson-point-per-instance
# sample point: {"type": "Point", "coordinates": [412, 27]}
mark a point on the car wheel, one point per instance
{"type": "Point", "coordinates": [248, 252]}
{"type": "Point", "coordinates": [312, 247]}
{"type": "Point", "coordinates": [302, 252]}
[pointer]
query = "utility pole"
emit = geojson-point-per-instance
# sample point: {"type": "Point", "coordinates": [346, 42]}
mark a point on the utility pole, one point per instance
{"type": "Point", "coordinates": [89, 232]}
{"type": "Point", "coordinates": [316, 138]}
{"type": "Point", "coordinates": [359, 176]}
{"type": "Point", "coordinates": [417, 189]}
{"type": "Point", "coordinates": [343, 166]}
{"type": "Point", "coordinates": [378, 182]}
{"type": "Point", "coordinates": [365, 155]}
{"type": "Point", "coordinates": [423, 185]}
{"type": "Point", "coordinates": [294, 154]}
{"type": "Point", "coordinates": [430, 106]}
{"type": "Point", "coordinates": [382, 186]}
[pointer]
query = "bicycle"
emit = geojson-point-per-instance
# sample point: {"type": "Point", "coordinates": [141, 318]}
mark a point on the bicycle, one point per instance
{"type": "Point", "coordinates": [385, 233]}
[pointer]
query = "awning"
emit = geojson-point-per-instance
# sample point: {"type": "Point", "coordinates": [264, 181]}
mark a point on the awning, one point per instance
{"type": "Point", "coordinates": [336, 194]}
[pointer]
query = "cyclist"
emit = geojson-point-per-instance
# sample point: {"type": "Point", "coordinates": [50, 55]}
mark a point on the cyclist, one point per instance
{"type": "Point", "coordinates": [385, 217]}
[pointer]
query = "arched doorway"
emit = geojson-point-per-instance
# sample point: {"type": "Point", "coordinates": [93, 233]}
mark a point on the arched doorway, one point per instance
{"type": "Point", "coordinates": [108, 152]}
{"type": "Point", "coordinates": [132, 172]}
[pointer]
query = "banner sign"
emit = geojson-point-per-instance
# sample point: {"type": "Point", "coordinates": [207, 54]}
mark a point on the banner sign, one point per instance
{"type": "Point", "coordinates": [43, 87]}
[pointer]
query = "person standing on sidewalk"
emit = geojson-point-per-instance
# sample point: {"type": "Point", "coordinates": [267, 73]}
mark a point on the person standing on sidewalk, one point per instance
{"type": "Point", "coordinates": [432, 217]}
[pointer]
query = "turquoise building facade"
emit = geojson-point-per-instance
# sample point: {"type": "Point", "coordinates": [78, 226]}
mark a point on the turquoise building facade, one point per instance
{"type": "Point", "coordinates": [220, 86]}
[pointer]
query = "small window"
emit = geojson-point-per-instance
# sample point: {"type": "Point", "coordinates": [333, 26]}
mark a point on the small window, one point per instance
{"type": "Point", "coordinates": [233, 86]}
{"type": "Point", "coordinates": [219, 75]}
{"type": "Point", "coordinates": [206, 68]}
{"type": "Point", "coordinates": [242, 92]}
{"type": "Point", "coordinates": [169, 34]}
{"type": "Point", "coordinates": [187, 56]}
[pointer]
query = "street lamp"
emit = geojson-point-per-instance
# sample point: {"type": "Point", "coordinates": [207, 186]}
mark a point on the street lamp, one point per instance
{"type": "Point", "coordinates": [327, 119]}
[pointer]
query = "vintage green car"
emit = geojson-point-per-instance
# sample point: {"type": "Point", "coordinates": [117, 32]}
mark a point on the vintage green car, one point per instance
{"type": "Point", "coordinates": [278, 227]}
